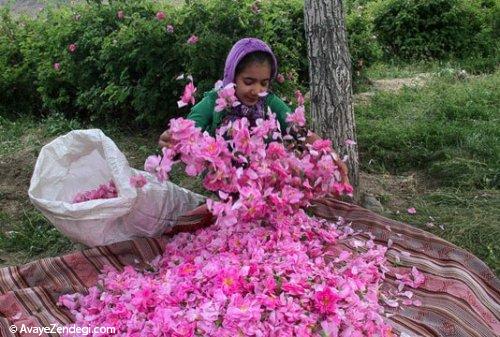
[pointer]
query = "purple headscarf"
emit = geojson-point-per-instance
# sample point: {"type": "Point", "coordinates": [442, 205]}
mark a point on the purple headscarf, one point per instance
{"type": "Point", "coordinates": [242, 48]}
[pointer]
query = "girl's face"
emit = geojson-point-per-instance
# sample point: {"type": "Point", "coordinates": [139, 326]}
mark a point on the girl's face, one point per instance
{"type": "Point", "coordinates": [251, 81]}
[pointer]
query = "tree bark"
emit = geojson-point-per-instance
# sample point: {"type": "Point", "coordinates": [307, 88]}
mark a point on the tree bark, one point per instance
{"type": "Point", "coordinates": [330, 79]}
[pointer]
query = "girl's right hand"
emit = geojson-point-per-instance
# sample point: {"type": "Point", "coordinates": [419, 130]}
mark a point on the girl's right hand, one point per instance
{"type": "Point", "coordinates": [165, 140]}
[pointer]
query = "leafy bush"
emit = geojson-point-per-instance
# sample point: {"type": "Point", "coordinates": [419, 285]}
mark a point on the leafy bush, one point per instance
{"type": "Point", "coordinates": [415, 29]}
{"type": "Point", "coordinates": [17, 80]}
{"type": "Point", "coordinates": [123, 67]}
{"type": "Point", "coordinates": [217, 31]}
{"type": "Point", "coordinates": [283, 27]}
{"type": "Point", "coordinates": [121, 70]}
{"type": "Point", "coordinates": [363, 44]}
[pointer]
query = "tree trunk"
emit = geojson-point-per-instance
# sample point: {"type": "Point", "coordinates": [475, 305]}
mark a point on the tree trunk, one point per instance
{"type": "Point", "coordinates": [330, 79]}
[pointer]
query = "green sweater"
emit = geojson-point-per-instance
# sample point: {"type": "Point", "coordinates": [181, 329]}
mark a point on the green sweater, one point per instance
{"type": "Point", "coordinates": [205, 116]}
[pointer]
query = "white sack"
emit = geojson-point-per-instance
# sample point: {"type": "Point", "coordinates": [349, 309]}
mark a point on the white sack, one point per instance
{"type": "Point", "coordinates": [82, 160]}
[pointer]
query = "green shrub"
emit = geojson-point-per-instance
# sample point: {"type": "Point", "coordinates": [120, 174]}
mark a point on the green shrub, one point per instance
{"type": "Point", "coordinates": [124, 70]}
{"type": "Point", "coordinates": [279, 22]}
{"type": "Point", "coordinates": [415, 29]}
{"type": "Point", "coordinates": [363, 45]}
{"type": "Point", "coordinates": [121, 70]}
{"type": "Point", "coordinates": [18, 93]}
{"type": "Point", "coordinates": [353, 4]}
{"type": "Point", "coordinates": [137, 62]}
{"type": "Point", "coordinates": [283, 28]}
{"type": "Point", "coordinates": [217, 31]}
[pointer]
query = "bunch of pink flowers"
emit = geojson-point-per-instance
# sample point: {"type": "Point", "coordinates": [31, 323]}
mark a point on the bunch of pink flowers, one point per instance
{"type": "Point", "coordinates": [226, 96]}
{"type": "Point", "coordinates": [257, 173]}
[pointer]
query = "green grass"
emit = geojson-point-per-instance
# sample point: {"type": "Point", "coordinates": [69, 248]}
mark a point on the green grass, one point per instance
{"type": "Point", "coordinates": [11, 132]}
{"type": "Point", "coordinates": [469, 219]}
{"type": "Point", "coordinates": [449, 127]}
{"type": "Point", "coordinates": [33, 235]}
{"type": "Point", "coordinates": [383, 70]}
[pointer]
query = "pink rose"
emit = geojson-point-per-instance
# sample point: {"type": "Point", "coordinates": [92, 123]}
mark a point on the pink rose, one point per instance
{"type": "Point", "coordinates": [193, 39]}
{"type": "Point", "coordinates": [160, 16]}
{"type": "Point", "coordinates": [72, 48]}
{"type": "Point", "coordinates": [188, 95]}
{"type": "Point", "coordinates": [299, 97]}
{"type": "Point", "coordinates": [138, 181]}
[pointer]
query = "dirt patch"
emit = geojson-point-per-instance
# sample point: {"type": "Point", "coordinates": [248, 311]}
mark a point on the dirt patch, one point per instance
{"type": "Point", "coordinates": [396, 84]}
{"type": "Point", "coordinates": [395, 192]}
{"type": "Point", "coordinates": [17, 168]}
{"type": "Point", "coordinates": [11, 259]}
{"type": "Point", "coordinates": [391, 85]}
{"type": "Point", "coordinates": [16, 171]}
{"type": "Point", "coordinates": [363, 98]}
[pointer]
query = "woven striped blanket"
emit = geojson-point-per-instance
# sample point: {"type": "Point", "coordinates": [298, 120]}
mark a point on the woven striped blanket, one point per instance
{"type": "Point", "coordinates": [460, 296]}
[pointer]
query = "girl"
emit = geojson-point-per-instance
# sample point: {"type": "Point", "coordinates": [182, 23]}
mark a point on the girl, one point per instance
{"type": "Point", "coordinates": [251, 65]}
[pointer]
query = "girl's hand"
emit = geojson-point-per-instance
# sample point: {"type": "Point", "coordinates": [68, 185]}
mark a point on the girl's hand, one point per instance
{"type": "Point", "coordinates": [344, 171]}
{"type": "Point", "coordinates": [311, 138]}
{"type": "Point", "coordinates": [165, 140]}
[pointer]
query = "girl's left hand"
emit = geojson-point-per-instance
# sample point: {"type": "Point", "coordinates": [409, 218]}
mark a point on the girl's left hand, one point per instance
{"type": "Point", "coordinates": [165, 140]}
{"type": "Point", "coordinates": [344, 172]}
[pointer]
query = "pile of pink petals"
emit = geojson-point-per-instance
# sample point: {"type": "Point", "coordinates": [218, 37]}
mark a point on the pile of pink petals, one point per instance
{"type": "Point", "coordinates": [257, 172]}
{"type": "Point", "coordinates": [265, 268]}
{"type": "Point", "coordinates": [104, 191]}
{"type": "Point", "coordinates": [314, 279]}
